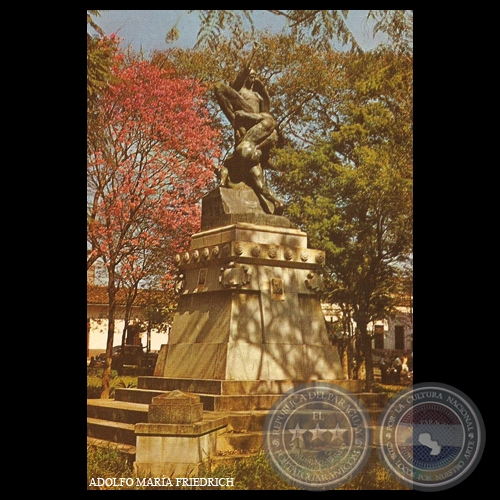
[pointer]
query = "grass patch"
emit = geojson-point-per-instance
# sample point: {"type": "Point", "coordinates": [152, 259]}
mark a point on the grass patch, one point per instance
{"type": "Point", "coordinates": [374, 476]}
{"type": "Point", "coordinates": [104, 462]}
{"type": "Point", "coordinates": [252, 473]}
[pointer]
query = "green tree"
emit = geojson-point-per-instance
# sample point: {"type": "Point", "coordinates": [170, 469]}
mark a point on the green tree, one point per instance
{"type": "Point", "coordinates": [352, 191]}
{"type": "Point", "coordinates": [146, 272]}
{"type": "Point", "coordinates": [100, 52]}
{"type": "Point", "coordinates": [150, 157]}
{"type": "Point", "coordinates": [161, 304]}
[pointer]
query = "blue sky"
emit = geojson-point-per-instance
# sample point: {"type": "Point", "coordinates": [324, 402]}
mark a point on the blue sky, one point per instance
{"type": "Point", "coordinates": [146, 29]}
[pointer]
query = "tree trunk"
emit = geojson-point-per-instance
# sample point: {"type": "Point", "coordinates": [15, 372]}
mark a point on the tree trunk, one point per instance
{"type": "Point", "coordinates": [366, 342]}
{"type": "Point", "coordinates": [369, 362]}
{"type": "Point", "coordinates": [125, 332]}
{"type": "Point", "coordinates": [148, 338]}
{"type": "Point", "coordinates": [359, 352]}
{"type": "Point", "coordinates": [366, 347]}
{"type": "Point", "coordinates": [109, 344]}
{"type": "Point", "coordinates": [351, 356]}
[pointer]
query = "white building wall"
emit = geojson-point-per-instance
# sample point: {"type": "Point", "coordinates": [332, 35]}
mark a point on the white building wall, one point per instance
{"type": "Point", "coordinates": [403, 318]}
{"type": "Point", "coordinates": [390, 340]}
{"type": "Point", "coordinates": [99, 334]}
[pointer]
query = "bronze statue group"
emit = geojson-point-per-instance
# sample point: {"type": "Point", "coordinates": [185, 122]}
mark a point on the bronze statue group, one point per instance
{"type": "Point", "coordinates": [246, 104]}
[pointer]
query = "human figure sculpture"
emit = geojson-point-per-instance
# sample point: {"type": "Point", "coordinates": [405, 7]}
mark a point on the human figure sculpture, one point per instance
{"type": "Point", "coordinates": [246, 104]}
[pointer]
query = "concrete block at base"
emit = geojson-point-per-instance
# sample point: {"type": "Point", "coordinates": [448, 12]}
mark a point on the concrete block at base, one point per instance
{"type": "Point", "coordinates": [173, 455]}
{"type": "Point", "coordinates": [176, 450]}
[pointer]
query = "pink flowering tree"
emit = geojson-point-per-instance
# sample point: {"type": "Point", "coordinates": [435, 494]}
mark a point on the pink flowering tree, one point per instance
{"type": "Point", "coordinates": [151, 155]}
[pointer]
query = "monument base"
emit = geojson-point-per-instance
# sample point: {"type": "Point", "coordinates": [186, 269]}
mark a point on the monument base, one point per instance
{"type": "Point", "coordinates": [249, 309]}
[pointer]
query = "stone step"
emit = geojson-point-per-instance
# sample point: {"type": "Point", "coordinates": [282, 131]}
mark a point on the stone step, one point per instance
{"type": "Point", "coordinates": [117, 432]}
{"type": "Point", "coordinates": [117, 411]}
{"type": "Point", "coordinates": [234, 387]}
{"type": "Point", "coordinates": [252, 402]}
{"type": "Point", "coordinates": [230, 403]}
{"type": "Point", "coordinates": [133, 395]}
{"type": "Point", "coordinates": [211, 402]}
{"type": "Point", "coordinates": [114, 420]}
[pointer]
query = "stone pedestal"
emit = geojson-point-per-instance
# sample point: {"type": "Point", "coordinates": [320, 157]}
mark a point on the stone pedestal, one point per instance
{"type": "Point", "coordinates": [249, 306]}
{"type": "Point", "coordinates": [224, 206]}
{"type": "Point", "coordinates": [177, 439]}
